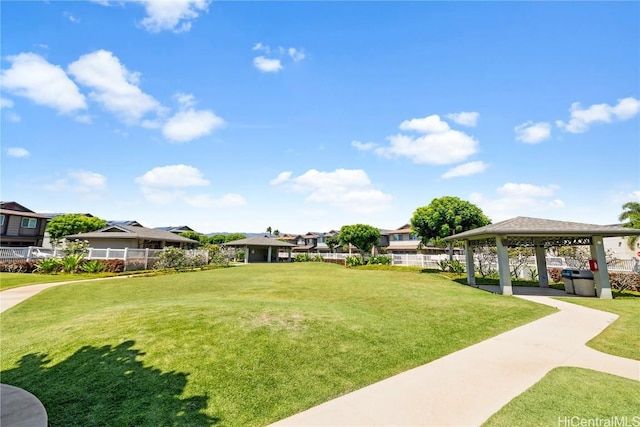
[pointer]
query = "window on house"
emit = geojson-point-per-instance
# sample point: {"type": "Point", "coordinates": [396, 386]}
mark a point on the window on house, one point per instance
{"type": "Point", "coordinates": [29, 223]}
{"type": "Point", "coordinates": [413, 236]}
{"type": "Point", "coordinates": [397, 237]}
{"type": "Point", "coordinates": [1, 219]}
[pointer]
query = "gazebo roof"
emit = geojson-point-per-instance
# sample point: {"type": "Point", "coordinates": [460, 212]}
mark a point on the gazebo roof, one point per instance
{"type": "Point", "coordinates": [543, 231]}
{"type": "Point", "coordinates": [259, 241]}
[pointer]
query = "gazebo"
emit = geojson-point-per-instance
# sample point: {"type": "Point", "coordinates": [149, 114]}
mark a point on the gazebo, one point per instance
{"type": "Point", "coordinates": [260, 248]}
{"type": "Point", "coordinates": [541, 234]}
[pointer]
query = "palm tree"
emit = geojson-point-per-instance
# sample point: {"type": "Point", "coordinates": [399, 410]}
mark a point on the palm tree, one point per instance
{"type": "Point", "coordinates": [631, 214]}
{"type": "Point", "coordinates": [269, 230]}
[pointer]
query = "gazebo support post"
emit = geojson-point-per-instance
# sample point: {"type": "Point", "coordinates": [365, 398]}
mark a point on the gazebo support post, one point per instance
{"type": "Point", "coordinates": [541, 265]}
{"type": "Point", "coordinates": [269, 254]}
{"type": "Point", "coordinates": [246, 254]}
{"type": "Point", "coordinates": [601, 277]}
{"type": "Point", "coordinates": [503, 268]}
{"type": "Point", "coordinates": [471, 271]}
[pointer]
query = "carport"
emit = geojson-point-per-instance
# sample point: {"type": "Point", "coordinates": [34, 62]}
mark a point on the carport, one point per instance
{"type": "Point", "coordinates": [540, 234]}
{"type": "Point", "coordinates": [260, 248]}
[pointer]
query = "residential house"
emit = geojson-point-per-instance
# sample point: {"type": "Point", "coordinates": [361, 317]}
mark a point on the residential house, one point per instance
{"type": "Point", "coordinates": [19, 226]}
{"type": "Point", "coordinates": [176, 230]}
{"type": "Point", "coordinates": [404, 241]}
{"type": "Point", "coordinates": [135, 237]}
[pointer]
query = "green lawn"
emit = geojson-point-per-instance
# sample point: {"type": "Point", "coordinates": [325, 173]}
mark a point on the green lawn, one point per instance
{"type": "Point", "coordinates": [572, 397]}
{"type": "Point", "coordinates": [14, 280]}
{"type": "Point", "coordinates": [241, 346]}
{"type": "Point", "coordinates": [622, 337]}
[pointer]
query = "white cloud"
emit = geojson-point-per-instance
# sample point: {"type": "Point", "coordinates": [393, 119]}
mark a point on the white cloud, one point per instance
{"type": "Point", "coordinates": [172, 15]}
{"type": "Point", "coordinates": [623, 197]}
{"type": "Point", "coordinates": [17, 152]}
{"type": "Point", "coordinates": [349, 189]}
{"type": "Point", "coordinates": [267, 65]}
{"type": "Point", "coordinates": [173, 176]}
{"type": "Point", "coordinates": [466, 169]}
{"type": "Point", "coordinates": [260, 47]}
{"type": "Point", "coordinates": [186, 100]}
{"type": "Point", "coordinates": [71, 18]}
{"type": "Point", "coordinates": [437, 149]}
{"type": "Point", "coordinates": [101, 2]}
{"type": "Point", "coordinates": [582, 118]}
{"type": "Point", "coordinates": [364, 146]}
{"type": "Point", "coordinates": [114, 87]}
{"type": "Point", "coordinates": [188, 125]}
{"type": "Point", "coordinates": [429, 124]}
{"type": "Point", "coordinates": [527, 190]}
{"type": "Point", "coordinates": [281, 178]}
{"type": "Point", "coordinates": [79, 181]}
{"type": "Point", "coordinates": [519, 200]}
{"type": "Point", "coordinates": [296, 55]}
{"type": "Point", "coordinates": [465, 118]}
{"type": "Point", "coordinates": [6, 103]}
{"type": "Point", "coordinates": [532, 133]}
{"type": "Point", "coordinates": [32, 77]}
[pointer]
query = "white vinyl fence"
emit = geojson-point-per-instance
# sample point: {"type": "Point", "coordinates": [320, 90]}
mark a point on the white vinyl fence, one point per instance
{"type": "Point", "coordinates": [134, 259]}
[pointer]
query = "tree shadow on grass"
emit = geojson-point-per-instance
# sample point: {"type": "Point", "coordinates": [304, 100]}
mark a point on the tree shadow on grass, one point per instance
{"type": "Point", "coordinates": [108, 386]}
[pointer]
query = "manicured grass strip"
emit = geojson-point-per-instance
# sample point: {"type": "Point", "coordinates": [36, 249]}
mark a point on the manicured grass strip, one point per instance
{"type": "Point", "coordinates": [573, 397]}
{"type": "Point", "coordinates": [245, 346]}
{"type": "Point", "coordinates": [622, 337]}
{"type": "Point", "coordinates": [15, 280]}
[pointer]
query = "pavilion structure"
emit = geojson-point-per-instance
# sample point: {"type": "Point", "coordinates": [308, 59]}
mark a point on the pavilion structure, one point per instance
{"type": "Point", "coordinates": [541, 234]}
{"type": "Point", "coordinates": [261, 248]}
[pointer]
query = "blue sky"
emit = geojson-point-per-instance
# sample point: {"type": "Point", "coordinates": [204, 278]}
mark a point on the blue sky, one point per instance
{"type": "Point", "coordinates": [306, 116]}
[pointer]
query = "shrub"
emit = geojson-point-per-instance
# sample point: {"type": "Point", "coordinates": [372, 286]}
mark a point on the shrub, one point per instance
{"type": "Point", "coordinates": [354, 261]}
{"type": "Point", "coordinates": [444, 265]}
{"type": "Point", "coordinates": [304, 257]}
{"type": "Point", "coordinates": [17, 266]}
{"type": "Point", "coordinates": [455, 266]}
{"type": "Point", "coordinates": [335, 261]}
{"type": "Point", "coordinates": [625, 281]}
{"type": "Point", "coordinates": [77, 247]}
{"type": "Point", "coordinates": [317, 258]}
{"type": "Point", "coordinates": [92, 266]}
{"type": "Point", "coordinates": [170, 258]}
{"type": "Point", "coordinates": [194, 261]}
{"type": "Point", "coordinates": [72, 263]}
{"type": "Point", "coordinates": [555, 274]}
{"type": "Point", "coordinates": [240, 256]}
{"type": "Point", "coordinates": [48, 265]}
{"type": "Point", "coordinates": [380, 260]}
{"type": "Point", "coordinates": [112, 265]}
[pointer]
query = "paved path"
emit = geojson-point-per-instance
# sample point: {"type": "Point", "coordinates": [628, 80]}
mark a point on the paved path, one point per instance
{"type": "Point", "coordinates": [15, 296]}
{"type": "Point", "coordinates": [467, 387]}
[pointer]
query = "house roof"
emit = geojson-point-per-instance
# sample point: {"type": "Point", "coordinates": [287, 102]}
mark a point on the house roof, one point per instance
{"type": "Point", "coordinates": [178, 229]}
{"type": "Point", "coordinates": [131, 222]}
{"type": "Point", "coordinates": [259, 241]}
{"type": "Point", "coordinates": [537, 227]}
{"type": "Point", "coordinates": [131, 232]}
{"type": "Point", "coordinates": [14, 208]}
{"type": "Point", "coordinates": [303, 248]}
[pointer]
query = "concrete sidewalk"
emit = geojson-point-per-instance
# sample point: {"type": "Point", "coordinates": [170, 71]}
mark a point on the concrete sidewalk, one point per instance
{"type": "Point", "coordinates": [467, 387]}
{"type": "Point", "coordinates": [15, 296]}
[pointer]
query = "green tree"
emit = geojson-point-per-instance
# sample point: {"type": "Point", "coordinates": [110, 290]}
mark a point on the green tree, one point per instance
{"type": "Point", "coordinates": [631, 214]}
{"type": "Point", "coordinates": [234, 236]}
{"type": "Point", "coordinates": [332, 242]}
{"type": "Point", "coordinates": [218, 239]}
{"type": "Point", "coordinates": [269, 230]}
{"type": "Point", "coordinates": [194, 235]}
{"type": "Point", "coordinates": [64, 225]}
{"type": "Point", "coordinates": [276, 232]}
{"type": "Point", "coordinates": [444, 217]}
{"type": "Point", "coordinates": [362, 236]}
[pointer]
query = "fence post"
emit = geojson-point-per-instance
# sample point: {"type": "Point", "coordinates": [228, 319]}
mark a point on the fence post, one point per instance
{"type": "Point", "coordinates": [107, 254]}
{"type": "Point", "coordinates": [146, 258]}
{"type": "Point", "coordinates": [90, 254]}
{"type": "Point", "coordinates": [29, 253]}
{"type": "Point", "coordinates": [126, 264]}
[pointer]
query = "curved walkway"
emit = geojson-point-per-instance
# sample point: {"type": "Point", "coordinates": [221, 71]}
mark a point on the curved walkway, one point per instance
{"type": "Point", "coordinates": [15, 296]}
{"type": "Point", "coordinates": [463, 388]}
{"type": "Point", "coordinates": [466, 387]}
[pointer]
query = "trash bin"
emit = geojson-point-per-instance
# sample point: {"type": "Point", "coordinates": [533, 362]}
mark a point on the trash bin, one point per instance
{"type": "Point", "coordinates": [567, 278]}
{"type": "Point", "coordinates": [583, 283]}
